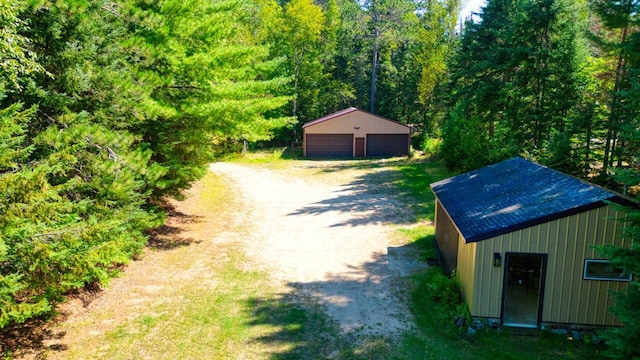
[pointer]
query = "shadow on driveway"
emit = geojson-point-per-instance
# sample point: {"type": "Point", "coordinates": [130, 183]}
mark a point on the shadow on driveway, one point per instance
{"type": "Point", "coordinates": [398, 194]}
{"type": "Point", "coordinates": [372, 319]}
{"type": "Point", "coordinates": [374, 198]}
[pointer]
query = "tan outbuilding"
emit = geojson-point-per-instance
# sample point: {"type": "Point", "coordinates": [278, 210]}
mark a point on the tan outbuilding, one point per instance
{"type": "Point", "coordinates": [523, 237]}
{"type": "Point", "coordinates": [355, 133]}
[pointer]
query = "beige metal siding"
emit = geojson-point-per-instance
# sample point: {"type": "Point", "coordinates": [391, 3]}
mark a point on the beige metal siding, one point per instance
{"type": "Point", "coordinates": [465, 272]}
{"type": "Point", "coordinates": [567, 242]}
{"type": "Point", "coordinates": [488, 282]}
{"type": "Point", "coordinates": [359, 123]}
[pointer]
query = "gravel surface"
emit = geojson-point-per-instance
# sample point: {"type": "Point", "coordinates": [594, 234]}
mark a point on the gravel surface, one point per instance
{"type": "Point", "coordinates": [325, 232]}
{"type": "Point", "coordinates": [330, 240]}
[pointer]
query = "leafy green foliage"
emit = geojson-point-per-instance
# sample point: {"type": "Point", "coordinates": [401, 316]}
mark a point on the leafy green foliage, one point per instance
{"type": "Point", "coordinates": [12, 151]}
{"type": "Point", "coordinates": [342, 53]}
{"type": "Point", "coordinates": [437, 38]}
{"type": "Point", "coordinates": [205, 84]}
{"type": "Point", "coordinates": [622, 341]}
{"type": "Point", "coordinates": [508, 72]}
{"type": "Point", "coordinates": [619, 40]}
{"type": "Point", "coordinates": [125, 104]}
{"type": "Point", "coordinates": [71, 216]}
{"type": "Point", "coordinates": [17, 59]}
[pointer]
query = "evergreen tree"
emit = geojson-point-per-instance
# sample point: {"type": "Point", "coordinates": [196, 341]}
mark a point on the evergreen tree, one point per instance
{"type": "Point", "coordinates": [335, 93]}
{"type": "Point", "coordinates": [74, 203]}
{"type": "Point", "coordinates": [388, 21]}
{"type": "Point", "coordinates": [303, 28]}
{"type": "Point", "coordinates": [353, 59]}
{"type": "Point", "coordinates": [205, 84]}
{"type": "Point", "coordinates": [108, 108]}
{"type": "Point", "coordinates": [620, 40]}
{"type": "Point", "coordinates": [13, 178]}
{"type": "Point", "coordinates": [510, 70]}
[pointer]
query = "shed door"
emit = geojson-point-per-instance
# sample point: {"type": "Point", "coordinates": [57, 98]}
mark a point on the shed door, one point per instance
{"type": "Point", "coordinates": [359, 147]}
{"type": "Point", "coordinates": [329, 145]}
{"type": "Point", "coordinates": [387, 144]}
{"type": "Point", "coordinates": [523, 291]}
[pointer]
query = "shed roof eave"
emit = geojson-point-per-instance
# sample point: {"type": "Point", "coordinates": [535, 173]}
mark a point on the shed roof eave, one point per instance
{"type": "Point", "coordinates": [514, 194]}
{"type": "Point", "coordinates": [526, 224]}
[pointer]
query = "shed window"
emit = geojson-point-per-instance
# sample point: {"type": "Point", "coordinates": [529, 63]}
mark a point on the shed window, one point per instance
{"type": "Point", "coordinates": [603, 270]}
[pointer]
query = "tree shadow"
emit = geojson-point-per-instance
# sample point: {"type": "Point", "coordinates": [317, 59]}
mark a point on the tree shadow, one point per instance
{"type": "Point", "coordinates": [370, 300]}
{"type": "Point", "coordinates": [330, 165]}
{"type": "Point", "coordinates": [168, 236]}
{"type": "Point", "coordinates": [30, 339]}
{"type": "Point", "coordinates": [397, 194]}
{"type": "Point", "coordinates": [36, 337]}
{"type": "Point", "coordinates": [366, 204]}
{"type": "Point", "coordinates": [300, 332]}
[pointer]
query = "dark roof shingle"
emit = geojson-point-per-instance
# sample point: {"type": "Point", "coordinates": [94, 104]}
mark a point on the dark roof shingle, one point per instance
{"type": "Point", "coordinates": [513, 195]}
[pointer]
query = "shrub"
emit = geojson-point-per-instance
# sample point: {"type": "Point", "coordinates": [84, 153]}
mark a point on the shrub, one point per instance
{"type": "Point", "coordinates": [431, 146]}
{"type": "Point", "coordinates": [444, 292]}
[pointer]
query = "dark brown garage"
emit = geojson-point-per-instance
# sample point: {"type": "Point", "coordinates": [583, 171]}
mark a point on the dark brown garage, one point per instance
{"type": "Point", "coordinates": [387, 144]}
{"type": "Point", "coordinates": [329, 145]}
{"type": "Point", "coordinates": [334, 135]}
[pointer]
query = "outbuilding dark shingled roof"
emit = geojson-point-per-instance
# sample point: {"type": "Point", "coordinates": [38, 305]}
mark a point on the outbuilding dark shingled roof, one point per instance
{"type": "Point", "coordinates": [513, 195]}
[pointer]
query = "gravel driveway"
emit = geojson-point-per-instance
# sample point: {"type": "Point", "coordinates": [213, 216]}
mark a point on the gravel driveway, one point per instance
{"type": "Point", "coordinates": [330, 240]}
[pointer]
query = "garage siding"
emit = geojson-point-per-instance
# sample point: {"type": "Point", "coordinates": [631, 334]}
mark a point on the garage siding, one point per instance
{"type": "Point", "coordinates": [387, 144]}
{"type": "Point", "coordinates": [329, 145]}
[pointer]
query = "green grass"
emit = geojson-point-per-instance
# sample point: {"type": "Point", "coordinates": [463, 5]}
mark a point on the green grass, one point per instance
{"type": "Point", "coordinates": [413, 181]}
{"type": "Point", "coordinates": [241, 316]}
{"type": "Point", "coordinates": [440, 338]}
{"type": "Point", "coordinates": [422, 237]}
{"type": "Point", "coordinates": [264, 156]}
{"type": "Point", "coordinates": [437, 336]}
{"type": "Point", "coordinates": [237, 313]}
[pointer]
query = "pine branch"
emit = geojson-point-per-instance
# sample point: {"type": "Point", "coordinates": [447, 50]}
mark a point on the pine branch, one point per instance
{"type": "Point", "coordinates": [50, 236]}
{"type": "Point", "coordinates": [180, 87]}
{"type": "Point", "coordinates": [112, 9]}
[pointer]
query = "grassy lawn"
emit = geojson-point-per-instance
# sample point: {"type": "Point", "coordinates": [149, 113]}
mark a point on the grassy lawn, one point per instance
{"type": "Point", "coordinates": [235, 312]}
{"type": "Point", "coordinates": [438, 336]}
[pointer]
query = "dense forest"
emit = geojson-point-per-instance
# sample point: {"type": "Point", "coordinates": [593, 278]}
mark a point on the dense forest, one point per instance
{"type": "Point", "coordinates": [108, 108]}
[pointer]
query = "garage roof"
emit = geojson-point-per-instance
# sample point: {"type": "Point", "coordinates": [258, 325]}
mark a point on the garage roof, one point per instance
{"type": "Point", "coordinates": [345, 112]}
{"type": "Point", "coordinates": [514, 195]}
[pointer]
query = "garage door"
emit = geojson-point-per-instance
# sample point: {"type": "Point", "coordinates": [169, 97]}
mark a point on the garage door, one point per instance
{"type": "Point", "coordinates": [329, 145]}
{"type": "Point", "coordinates": [387, 144]}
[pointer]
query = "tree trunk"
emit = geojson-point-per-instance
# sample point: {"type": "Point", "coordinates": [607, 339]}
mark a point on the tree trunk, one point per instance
{"type": "Point", "coordinates": [374, 72]}
{"type": "Point", "coordinates": [615, 109]}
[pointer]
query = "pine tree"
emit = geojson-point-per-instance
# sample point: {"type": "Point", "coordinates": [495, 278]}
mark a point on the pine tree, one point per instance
{"type": "Point", "coordinates": [510, 70]}
{"type": "Point", "coordinates": [618, 40]}
{"type": "Point", "coordinates": [13, 179]}
{"type": "Point", "coordinates": [205, 85]}
{"type": "Point", "coordinates": [108, 108]}
{"type": "Point", "coordinates": [622, 142]}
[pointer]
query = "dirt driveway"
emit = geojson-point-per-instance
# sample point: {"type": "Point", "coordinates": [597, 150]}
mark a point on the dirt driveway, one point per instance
{"type": "Point", "coordinates": [331, 239]}
{"type": "Point", "coordinates": [320, 233]}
